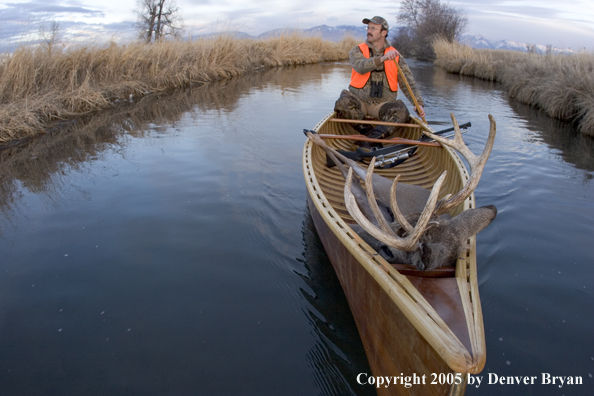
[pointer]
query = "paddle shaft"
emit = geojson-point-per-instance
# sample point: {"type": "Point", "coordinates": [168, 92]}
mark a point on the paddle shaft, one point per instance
{"type": "Point", "coordinates": [412, 95]}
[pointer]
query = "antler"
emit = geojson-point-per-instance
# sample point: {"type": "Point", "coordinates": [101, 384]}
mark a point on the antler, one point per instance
{"type": "Point", "coordinates": [386, 235]}
{"type": "Point", "coordinates": [383, 223]}
{"type": "Point", "coordinates": [477, 164]}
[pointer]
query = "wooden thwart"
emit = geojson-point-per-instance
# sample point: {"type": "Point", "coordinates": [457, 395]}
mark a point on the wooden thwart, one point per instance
{"type": "Point", "coordinates": [363, 138]}
{"type": "Point", "coordinates": [374, 122]}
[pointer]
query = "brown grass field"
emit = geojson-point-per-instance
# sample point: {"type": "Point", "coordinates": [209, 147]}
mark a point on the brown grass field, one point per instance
{"type": "Point", "coordinates": [40, 86]}
{"type": "Point", "coordinates": [560, 85]}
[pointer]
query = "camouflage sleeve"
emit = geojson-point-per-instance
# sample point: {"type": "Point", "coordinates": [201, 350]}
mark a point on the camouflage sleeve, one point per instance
{"type": "Point", "coordinates": [411, 81]}
{"type": "Point", "coordinates": [360, 63]}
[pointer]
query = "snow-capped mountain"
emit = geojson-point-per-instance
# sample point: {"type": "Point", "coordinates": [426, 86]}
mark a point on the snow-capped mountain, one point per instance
{"type": "Point", "coordinates": [325, 32]}
{"type": "Point", "coordinates": [479, 41]}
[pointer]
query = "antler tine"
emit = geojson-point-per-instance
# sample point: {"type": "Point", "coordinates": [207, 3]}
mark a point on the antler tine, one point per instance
{"type": "Point", "coordinates": [429, 209]}
{"type": "Point", "coordinates": [383, 223]}
{"type": "Point", "coordinates": [355, 212]}
{"type": "Point", "coordinates": [477, 163]}
{"type": "Point", "coordinates": [395, 210]}
{"type": "Point", "coordinates": [406, 244]}
{"type": "Point", "coordinates": [398, 214]}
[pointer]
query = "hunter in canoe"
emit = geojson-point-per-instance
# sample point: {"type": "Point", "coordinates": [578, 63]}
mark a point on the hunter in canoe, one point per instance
{"type": "Point", "coordinates": [373, 89]}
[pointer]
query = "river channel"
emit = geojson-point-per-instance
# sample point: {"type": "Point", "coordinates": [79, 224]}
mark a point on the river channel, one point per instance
{"type": "Point", "coordinates": [165, 247]}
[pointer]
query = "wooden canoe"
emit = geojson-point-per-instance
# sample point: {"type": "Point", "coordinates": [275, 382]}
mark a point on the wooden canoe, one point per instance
{"type": "Point", "coordinates": [409, 322]}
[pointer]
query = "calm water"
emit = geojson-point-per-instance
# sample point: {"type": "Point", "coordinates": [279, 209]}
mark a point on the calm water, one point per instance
{"type": "Point", "coordinates": [166, 248]}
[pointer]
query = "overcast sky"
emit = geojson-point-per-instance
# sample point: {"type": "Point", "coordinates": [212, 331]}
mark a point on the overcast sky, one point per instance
{"type": "Point", "coordinates": [560, 23]}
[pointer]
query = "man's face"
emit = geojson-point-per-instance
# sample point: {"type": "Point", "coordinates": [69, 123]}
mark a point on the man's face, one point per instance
{"type": "Point", "coordinates": [375, 34]}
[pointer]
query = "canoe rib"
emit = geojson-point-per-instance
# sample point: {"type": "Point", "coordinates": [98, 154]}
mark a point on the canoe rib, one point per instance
{"type": "Point", "coordinates": [326, 204]}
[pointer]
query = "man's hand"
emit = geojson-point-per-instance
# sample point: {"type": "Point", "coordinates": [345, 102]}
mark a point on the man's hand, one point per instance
{"type": "Point", "coordinates": [420, 111]}
{"type": "Point", "coordinates": [390, 55]}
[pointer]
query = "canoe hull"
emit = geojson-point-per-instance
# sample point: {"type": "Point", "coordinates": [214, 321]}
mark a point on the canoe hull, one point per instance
{"type": "Point", "coordinates": [409, 324]}
{"type": "Point", "coordinates": [392, 344]}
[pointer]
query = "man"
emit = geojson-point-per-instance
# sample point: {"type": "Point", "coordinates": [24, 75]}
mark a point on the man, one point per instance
{"type": "Point", "coordinates": [374, 83]}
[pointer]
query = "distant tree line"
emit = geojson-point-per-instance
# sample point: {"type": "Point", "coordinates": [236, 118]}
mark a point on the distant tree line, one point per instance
{"type": "Point", "coordinates": [422, 22]}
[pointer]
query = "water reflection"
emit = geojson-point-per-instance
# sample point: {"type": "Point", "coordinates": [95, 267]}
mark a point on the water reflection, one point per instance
{"type": "Point", "coordinates": [336, 358]}
{"type": "Point", "coordinates": [188, 244]}
{"type": "Point", "coordinates": [181, 216]}
{"type": "Point", "coordinates": [36, 164]}
{"type": "Point", "coordinates": [450, 92]}
{"type": "Point", "coordinates": [574, 147]}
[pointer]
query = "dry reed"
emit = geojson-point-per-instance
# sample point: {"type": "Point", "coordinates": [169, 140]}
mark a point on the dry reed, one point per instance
{"type": "Point", "coordinates": [42, 85]}
{"type": "Point", "coordinates": [561, 85]}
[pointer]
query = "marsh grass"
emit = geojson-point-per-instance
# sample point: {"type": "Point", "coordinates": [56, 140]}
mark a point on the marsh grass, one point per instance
{"type": "Point", "coordinates": [561, 85]}
{"type": "Point", "coordinates": [41, 85]}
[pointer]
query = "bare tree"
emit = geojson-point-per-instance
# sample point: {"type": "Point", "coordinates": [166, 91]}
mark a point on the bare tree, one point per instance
{"type": "Point", "coordinates": [424, 21]}
{"type": "Point", "coordinates": [531, 48]}
{"type": "Point", "coordinates": [50, 36]}
{"type": "Point", "coordinates": [158, 19]}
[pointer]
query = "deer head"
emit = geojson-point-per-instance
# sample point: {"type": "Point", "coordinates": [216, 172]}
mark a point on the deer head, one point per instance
{"type": "Point", "coordinates": [412, 227]}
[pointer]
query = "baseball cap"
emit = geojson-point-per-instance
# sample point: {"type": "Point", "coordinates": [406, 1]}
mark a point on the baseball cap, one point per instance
{"type": "Point", "coordinates": [378, 20]}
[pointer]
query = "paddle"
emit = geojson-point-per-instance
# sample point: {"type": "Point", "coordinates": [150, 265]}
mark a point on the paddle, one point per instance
{"type": "Point", "coordinates": [409, 90]}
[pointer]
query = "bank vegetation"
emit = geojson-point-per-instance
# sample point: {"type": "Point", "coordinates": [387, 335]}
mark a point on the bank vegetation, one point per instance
{"type": "Point", "coordinates": [561, 85]}
{"type": "Point", "coordinates": [42, 85]}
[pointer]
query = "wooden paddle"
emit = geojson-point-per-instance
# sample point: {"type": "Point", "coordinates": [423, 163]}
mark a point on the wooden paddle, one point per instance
{"type": "Point", "coordinates": [409, 90]}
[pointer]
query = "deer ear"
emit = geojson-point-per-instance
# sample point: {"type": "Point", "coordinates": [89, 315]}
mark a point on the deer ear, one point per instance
{"type": "Point", "coordinates": [472, 221]}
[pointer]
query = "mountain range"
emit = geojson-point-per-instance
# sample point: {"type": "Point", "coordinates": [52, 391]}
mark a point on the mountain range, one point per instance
{"type": "Point", "coordinates": [325, 32]}
{"type": "Point", "coordinates": [478, 41]}
{"type": "Point", "coordinates": [339, 32]}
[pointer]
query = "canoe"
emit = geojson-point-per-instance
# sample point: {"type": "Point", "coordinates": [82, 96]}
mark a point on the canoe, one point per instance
{"type": "Point", "coordinates": [411, 322]}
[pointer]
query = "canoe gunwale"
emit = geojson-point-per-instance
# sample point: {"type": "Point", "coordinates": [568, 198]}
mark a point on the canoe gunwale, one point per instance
{"type": "Point", "coordinates": [399, 288]}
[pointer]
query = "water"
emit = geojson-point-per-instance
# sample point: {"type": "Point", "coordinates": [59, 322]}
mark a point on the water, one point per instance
{"type": "Point", "coordinates": [165, 247]}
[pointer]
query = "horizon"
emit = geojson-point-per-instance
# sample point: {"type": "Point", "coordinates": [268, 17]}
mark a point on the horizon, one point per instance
{"type": "Point", "coordinates": [289, 29]}
{"type": "Point", "coordinates": [83, 21]}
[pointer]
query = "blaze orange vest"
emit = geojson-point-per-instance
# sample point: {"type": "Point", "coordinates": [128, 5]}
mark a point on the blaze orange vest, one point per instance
{"type": "Point", "coordinates": [359, 80]}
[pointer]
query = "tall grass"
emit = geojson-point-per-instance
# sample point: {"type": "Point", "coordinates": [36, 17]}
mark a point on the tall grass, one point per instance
{"type": "Point", "coordinates": [41, 85]}
{"type": "Point", "coordinates": [561, 85]}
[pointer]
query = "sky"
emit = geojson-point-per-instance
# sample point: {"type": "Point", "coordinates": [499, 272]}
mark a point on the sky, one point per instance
{"type": "Point", "coordinates": [564, 24]}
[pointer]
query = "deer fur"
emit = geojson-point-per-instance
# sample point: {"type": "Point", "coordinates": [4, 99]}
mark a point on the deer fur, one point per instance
{"type": "Point", "coordinates": [442, 242]}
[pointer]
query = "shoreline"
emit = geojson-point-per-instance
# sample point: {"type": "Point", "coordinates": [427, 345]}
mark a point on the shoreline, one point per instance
{"type": "Point", "coordinates": [41, 87]}
{"type": "Point", "coordinates": [560, 85]}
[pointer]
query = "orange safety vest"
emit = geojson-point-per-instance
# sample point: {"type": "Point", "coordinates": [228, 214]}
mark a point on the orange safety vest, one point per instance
{"type": "Point", "coordinates": [359, 80]}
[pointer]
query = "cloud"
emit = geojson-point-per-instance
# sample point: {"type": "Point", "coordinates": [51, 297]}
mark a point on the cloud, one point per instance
{"type": "Point", "coordinates": [46, 8]}
{"type": "Point", "coordinates": [21, 23]}
{"type": "Point", "coordinates": [545, 21]}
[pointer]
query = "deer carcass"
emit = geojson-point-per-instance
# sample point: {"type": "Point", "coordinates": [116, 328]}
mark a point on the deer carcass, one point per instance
{"type": "Point", "coordinates": [411, 226]}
